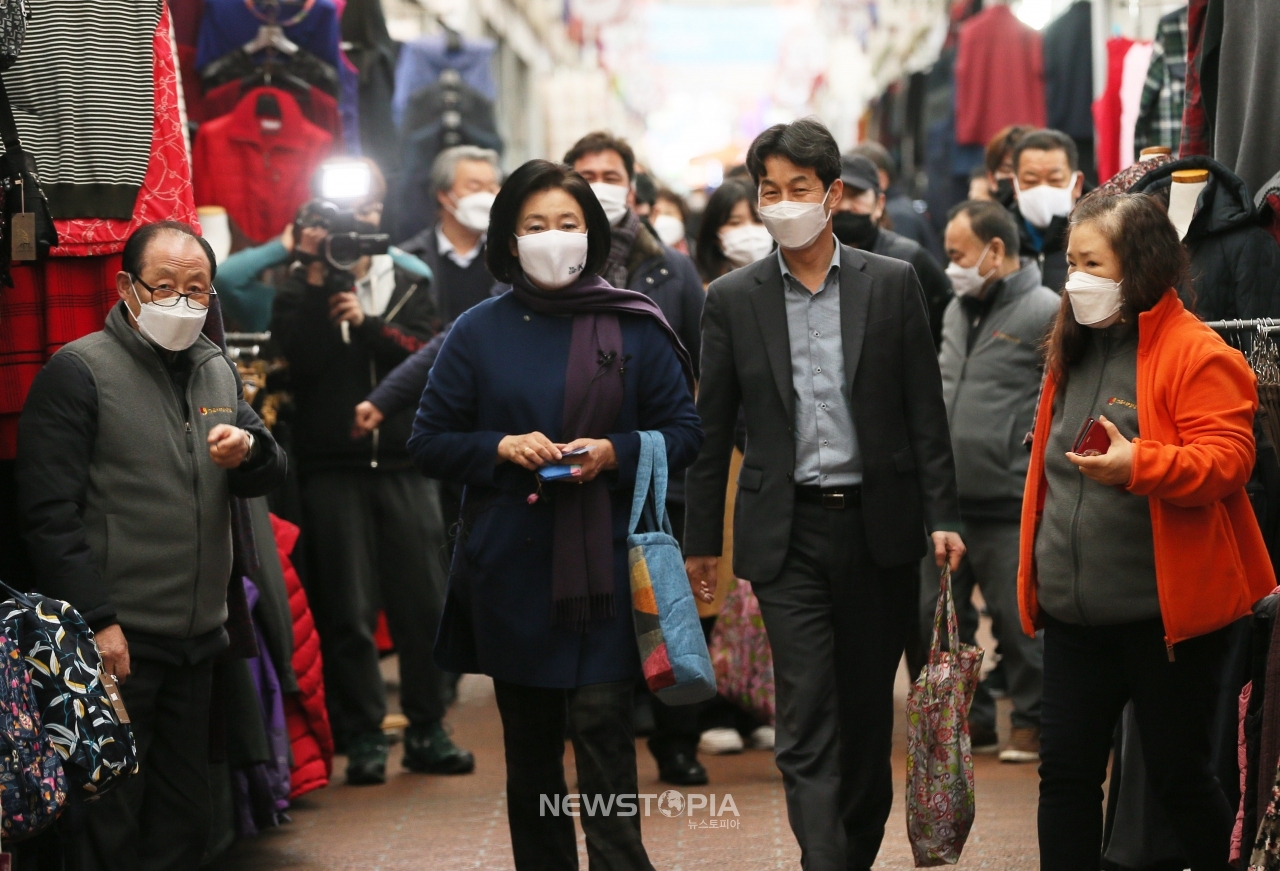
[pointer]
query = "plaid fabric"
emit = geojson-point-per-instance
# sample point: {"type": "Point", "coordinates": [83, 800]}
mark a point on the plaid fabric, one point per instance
{"type": "Point", "coordinates": [1164, 95]}
{"type": "Point", "coordinates": [50, 304]}
{"type": "Point", "coordinates": [1197, 131]}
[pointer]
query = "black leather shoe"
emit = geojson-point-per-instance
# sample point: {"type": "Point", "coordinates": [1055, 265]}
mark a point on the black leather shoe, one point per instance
{"type": "Point", "coordinates": [682, 769]}
{"type": "Point", "coordinates": [367, 760]}
{"type": "Point", "coordinates": [429, 750]}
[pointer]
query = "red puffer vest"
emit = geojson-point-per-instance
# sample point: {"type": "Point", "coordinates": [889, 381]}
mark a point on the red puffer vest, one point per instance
{"type": "Point", "coordinates": [309, 733]}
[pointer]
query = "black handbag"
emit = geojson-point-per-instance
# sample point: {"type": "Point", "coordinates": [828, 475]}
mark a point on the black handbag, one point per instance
{"type": "Point", "coordinates": [13, 30]}
{"type": "Point", "coordinates": [26, 227]}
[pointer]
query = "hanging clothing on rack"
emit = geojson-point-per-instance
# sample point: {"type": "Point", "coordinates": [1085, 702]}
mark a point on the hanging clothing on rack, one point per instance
{"type": "Point", "coordinates": [999, 76]}
{"type": "Point", "coordinates": [1164, 94]}
{"type": "Point", "coordinates": [228, 25]}
{"type": "Point", "coordinates": [317, 106]}
{"type": "Point", "coordinates": [83, 95]}
{"type": "Point", "coordinates": [1197, 125]}
{"type": "Point", "coordinates": [374, 54]}
{"type": "Point", "coordinates": [439, 116]}
{"type": "Point", "coordinates": [1246, 127]}
{"type": "Point", "coordinates": [1108, 108]}
{"type": "Point", "coordinates": [1133, 80]}
{"type": "Point", "coordinates": [1235, 264]}
{"type": "Point", "coordinates": [424, 60]}
{"type": "Point", "coordinates": [259, 168]}
{"type": "Point", "coordinates": [1068, 72]}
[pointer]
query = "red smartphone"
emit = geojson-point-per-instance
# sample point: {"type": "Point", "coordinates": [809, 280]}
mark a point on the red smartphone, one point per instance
{"type": "Point", "coordinates": [1092, 440]}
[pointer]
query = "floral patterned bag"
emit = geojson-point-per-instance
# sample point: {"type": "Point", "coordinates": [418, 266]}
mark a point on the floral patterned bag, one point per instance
{"type": "Point", "coordinates": [940, 800]}
{"type": "Point", "coordinates": [740, 653]}
{"type": "Point", "coordinates": [33, 786]}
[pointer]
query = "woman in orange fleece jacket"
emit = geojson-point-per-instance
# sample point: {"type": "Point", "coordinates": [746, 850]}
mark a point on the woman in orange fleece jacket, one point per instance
{"type": "Point", "coordinates": [1140, 547]}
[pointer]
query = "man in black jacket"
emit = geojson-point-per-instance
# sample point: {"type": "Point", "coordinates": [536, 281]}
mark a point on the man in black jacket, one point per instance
{"type": "Point", "coordinates": [1047, 185]}
{"type": "Point", "coordinates": [857, 223]}
{"type": "Point", "coordinates": [375, 536]}
{"type": "Point", "coordinates": [465, 180]}
{"type": "Point", "coordinates": [847, 473]}
{"type": "Point", "coordinates": [131, 444]}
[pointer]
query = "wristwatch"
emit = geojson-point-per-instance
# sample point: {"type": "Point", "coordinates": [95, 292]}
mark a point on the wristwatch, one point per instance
{"type": "Point", "coordinates": [252, 442]}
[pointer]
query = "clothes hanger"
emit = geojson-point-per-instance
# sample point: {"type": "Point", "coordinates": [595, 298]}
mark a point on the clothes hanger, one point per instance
{"type": "Point", "coordinates": [271, 36]}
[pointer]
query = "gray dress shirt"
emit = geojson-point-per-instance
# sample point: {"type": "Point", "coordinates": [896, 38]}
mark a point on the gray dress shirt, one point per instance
{"type": "Point", "coordinates": [826, 444]}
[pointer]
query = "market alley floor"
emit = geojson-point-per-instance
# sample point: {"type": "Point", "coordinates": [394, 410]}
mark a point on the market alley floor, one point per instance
{"type": "Point", "coordinates": [424, 823]}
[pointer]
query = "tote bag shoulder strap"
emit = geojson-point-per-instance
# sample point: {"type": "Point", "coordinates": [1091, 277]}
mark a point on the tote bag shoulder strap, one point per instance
{"type": "Point", "coordinates": [651, 477]}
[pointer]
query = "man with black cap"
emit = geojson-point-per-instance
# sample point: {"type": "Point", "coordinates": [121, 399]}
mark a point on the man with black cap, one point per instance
{"type": "Point", "coordinates": [857, 223]}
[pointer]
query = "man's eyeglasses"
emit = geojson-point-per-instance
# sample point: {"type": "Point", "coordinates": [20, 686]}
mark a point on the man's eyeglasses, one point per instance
{"type": "Point", "coordinates": [166, 295]}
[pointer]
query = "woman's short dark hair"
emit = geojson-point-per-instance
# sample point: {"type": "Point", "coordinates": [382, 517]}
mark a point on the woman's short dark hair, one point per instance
{"type": "Point", "coordinates": [711, 260]}
{"type": "Point", "coordinates": [1002, 145]}
{"type": "Point", "coordinates": [989, 220]}
{"type": "Point", "coordinates": [805, 143]}
{"type": "Point", "coordinates": [135, 249]}
{"type": "Point", "coordinates": [531, 178]}
{"type": "Point", "coordinates": [1153, 260]}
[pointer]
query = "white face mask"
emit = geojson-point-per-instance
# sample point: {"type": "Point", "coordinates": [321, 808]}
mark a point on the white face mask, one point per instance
{"type": "Point", "coordinates": [795, 225]}
{"type": "Point", "coordinates": [968, 280]}
{"type": "Point", "coordinates": [472, 211]}
{"type": "Point", "coordinates": [553, 258]}
{"type": "Point", "coordinates": [1042, 203]}
{"type": "Point", "coordinates": [669, 228]}
{"type": "Point", "coordinates": [614, 199]}
{"type": "Point", "coordinates": [1093, 299]}
{"type": "Point", "coordinates": [174, 327]}
{"type": "Point", "coordinates": [745, 243]}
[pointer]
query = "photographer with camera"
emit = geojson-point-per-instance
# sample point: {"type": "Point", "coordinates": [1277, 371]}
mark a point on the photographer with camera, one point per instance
{"type": "Point", "coordinates": [345, 317]}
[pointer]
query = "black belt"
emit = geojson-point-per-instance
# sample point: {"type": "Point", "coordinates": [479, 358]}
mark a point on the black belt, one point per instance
{"type": "Point", "coordinates": [833, 498]}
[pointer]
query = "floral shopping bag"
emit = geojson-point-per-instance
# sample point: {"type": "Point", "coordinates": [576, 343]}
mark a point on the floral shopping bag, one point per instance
{"type": "Point", "coordinates": [741, 655]}
{"type": "Point", "coordinates": [940, 801]}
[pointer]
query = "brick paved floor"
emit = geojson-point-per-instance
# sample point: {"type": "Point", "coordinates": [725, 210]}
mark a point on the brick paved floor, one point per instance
{"type": "Point", "coordinates": [447, 823]}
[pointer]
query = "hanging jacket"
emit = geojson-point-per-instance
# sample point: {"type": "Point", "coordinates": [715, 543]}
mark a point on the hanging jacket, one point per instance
{"type": "Point", "coordinates": [310, 736]}
{"type": "Point", "coordinates": [1194, 451]}
{"type": "Point", "coordinates": [1164, 94]}
{"type": "Point", "coordinates": [259, 175]}
{"type": "Point", "coordinates": [1235, 264]}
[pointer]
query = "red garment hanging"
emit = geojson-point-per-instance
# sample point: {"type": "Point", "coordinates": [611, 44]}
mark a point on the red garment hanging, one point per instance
{"type": "Point", "coordinates": [1107, 109]}
{"type": "Point", "coordinates": [165, 194]}
{"type": "Point", "coordinates": [321, 109]}
{"type": "Point", "coordinates": [999, 76]}
{"type": "Point", "coordinates": [258, 172]}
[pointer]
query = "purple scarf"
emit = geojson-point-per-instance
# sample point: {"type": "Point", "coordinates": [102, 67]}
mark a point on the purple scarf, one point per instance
{"type": "Point", "coordinates": [582, 544]}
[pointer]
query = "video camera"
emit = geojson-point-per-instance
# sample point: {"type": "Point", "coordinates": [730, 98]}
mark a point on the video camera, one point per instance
{"type": "Point", "coordinates": [341, 185]}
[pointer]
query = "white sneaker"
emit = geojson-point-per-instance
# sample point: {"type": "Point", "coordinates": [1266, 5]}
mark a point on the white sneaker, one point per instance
{"type": "Point", "coordinates": [717, 742]}
{"type": "Point", "coordinates": [762, 738]}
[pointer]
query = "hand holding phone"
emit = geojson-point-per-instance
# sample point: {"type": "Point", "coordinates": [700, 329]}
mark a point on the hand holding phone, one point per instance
{"type": "Point", "coordinates": [1092, 440]}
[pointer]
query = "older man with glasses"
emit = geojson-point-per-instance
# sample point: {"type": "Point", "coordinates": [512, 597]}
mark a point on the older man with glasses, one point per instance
{"type": "Point", "coordinates": [131, 444]}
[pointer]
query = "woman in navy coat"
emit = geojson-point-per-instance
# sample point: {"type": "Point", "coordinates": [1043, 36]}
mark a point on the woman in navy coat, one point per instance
{"type": "Point", "coordinates": [539, 596]}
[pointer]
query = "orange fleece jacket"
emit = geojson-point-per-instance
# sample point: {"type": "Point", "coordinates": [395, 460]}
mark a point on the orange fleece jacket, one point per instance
{"type": "Point", "coordinates": [1194, 452]}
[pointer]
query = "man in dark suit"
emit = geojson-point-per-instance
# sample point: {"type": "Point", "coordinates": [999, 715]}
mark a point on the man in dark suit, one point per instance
{"type": "Point", "coordinates": [847, 475]}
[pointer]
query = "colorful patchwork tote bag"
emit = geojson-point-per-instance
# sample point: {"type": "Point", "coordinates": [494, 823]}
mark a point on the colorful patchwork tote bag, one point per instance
{"type": "Point", "coordinates": [673, 651]}
{"type": "Point", "coordinates": [940, 802]}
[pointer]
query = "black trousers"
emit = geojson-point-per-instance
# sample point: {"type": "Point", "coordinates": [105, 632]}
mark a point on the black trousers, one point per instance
{"type": "Point", "coordinates": [535, 723]}
{"type": "Point", "coordinates": [838, 624]}
{"type": "Point", "coordinates": [158, 820]}
{"type": "Point", "coordinates": [1089, 675]}
{"type": "Point", "coordinates": [376, 540]}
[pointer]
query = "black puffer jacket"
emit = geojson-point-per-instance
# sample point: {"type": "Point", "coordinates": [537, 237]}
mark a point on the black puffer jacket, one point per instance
{"type": "Point", "coordinates": [1235, 264]}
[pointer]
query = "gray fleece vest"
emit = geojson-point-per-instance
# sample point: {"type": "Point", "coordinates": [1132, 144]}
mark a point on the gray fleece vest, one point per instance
{"type": "Point", "coordinates": [157, 510]}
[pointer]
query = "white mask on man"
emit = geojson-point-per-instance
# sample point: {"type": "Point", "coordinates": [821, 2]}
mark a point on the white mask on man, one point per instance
{"type": "Point", "coordinates": [1044, 202]}
{"type": "Point", "coordinates": [795, 225]}
{"type": "Point", "coordinates": [745, 243]}
{"type": "Point", "coordinates": [173, 327]}
{"type": "Point", "coordinates": [1093, 299]}
{"type": "Point", "coordinates": [553, 258]}
{"type": "Point", "coordinates": [969, 280]}
{"type": "Point", "coordinates": [669, 228]}
{"type": "Point", "coordinates": [613, 197]}
{"type": "Point", "coordinates": [472, 211]}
